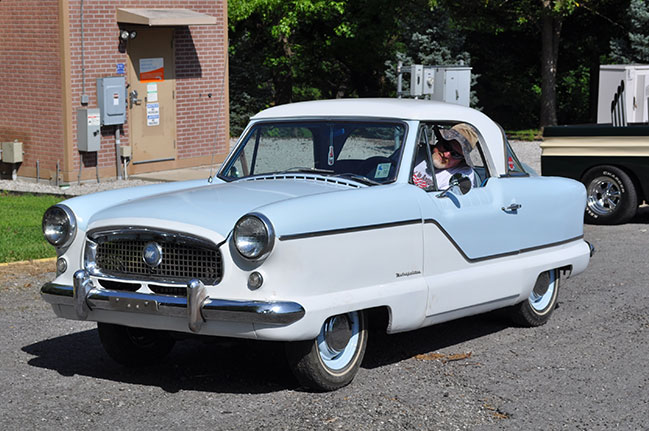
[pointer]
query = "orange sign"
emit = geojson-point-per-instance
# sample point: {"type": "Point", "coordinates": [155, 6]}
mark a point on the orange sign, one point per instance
{"type": "Point", "coordinates": [152, 69]}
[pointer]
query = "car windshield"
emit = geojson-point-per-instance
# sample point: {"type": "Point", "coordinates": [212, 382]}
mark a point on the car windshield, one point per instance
{"type": "Point", "coordinates": [367, 152]}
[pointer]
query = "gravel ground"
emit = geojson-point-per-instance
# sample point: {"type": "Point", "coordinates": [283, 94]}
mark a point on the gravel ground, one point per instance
{"type": "Point", "coordinates": [24, 185]}
{"type": "Point", "coordinates": [585, 369]}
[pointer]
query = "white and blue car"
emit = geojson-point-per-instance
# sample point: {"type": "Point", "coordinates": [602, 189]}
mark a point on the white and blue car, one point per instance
{"type": "Point", "coordinates": [312, 229]}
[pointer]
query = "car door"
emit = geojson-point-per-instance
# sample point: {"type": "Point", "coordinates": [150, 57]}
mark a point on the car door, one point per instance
{"type": "Point", "coordinates": [468, 240]}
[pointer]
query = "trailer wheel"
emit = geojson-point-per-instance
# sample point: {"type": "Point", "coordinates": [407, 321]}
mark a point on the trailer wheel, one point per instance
{"type": "Point", "coordinates": [611, 196]}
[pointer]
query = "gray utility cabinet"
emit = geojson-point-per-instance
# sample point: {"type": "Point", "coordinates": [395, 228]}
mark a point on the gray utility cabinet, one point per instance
{"type": "Point", "coordinates": [636, 91]}
{"type": "Point", "coordinates": [111, 98]}
{"type": "Point", "coordinates": [450, 84]}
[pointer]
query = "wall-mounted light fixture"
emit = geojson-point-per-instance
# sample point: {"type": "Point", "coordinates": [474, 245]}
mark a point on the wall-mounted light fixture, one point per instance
{"type": "Point", "coordinates": [126, 35]}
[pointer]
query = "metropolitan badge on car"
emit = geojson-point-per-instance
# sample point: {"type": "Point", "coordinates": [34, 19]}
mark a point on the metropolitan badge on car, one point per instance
{"type": "Point", "coordinates": [327, 216]}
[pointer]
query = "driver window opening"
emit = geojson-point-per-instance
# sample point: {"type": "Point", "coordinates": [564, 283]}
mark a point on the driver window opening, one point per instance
{"type": "Point", "coordinates": [446, 149]}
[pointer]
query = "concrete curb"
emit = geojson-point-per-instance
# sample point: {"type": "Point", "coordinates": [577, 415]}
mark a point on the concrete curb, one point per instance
{"type": "Point", "coordinates": [27, 262]}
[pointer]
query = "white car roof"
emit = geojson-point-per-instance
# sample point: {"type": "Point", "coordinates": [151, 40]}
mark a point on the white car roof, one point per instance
{"type": "Point", "coordinates": [402, 109]}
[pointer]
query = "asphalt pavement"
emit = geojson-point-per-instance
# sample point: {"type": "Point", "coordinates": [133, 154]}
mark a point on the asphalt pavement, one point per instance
{"type": "Point", "coordinates": [586, 369]}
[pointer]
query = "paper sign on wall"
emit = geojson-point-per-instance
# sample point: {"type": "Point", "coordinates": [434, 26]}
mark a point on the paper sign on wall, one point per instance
{"type": "Point", "coordinates": [152, 92]}
{"type": "Point", "coordinates": [152, 69]}
{"type": "Point", "coordinates": [152, 114]}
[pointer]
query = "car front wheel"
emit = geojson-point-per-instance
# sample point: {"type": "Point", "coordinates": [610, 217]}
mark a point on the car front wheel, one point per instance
{"type": "Point", "coordinates": [134, 346]}
{"type": "Point", "coordinates": [538, 307]}
{"type": "Point", "coordinates": [611, 196]}
{"type": "Point", "coordinates": [330, 361]}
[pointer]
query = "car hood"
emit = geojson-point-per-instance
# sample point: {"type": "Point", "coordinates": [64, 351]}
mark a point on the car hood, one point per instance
{"type": "Point", "coordinates": [214, 208]}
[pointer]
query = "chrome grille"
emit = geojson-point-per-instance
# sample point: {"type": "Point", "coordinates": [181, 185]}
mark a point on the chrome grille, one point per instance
{"type": "Point", "coordinates": [118, 254]}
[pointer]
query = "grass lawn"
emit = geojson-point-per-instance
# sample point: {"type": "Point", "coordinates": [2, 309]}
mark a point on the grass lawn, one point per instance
{"type": "Point", "coordinates": [524, 135]}
{"type": "Point", "coordinates": [20, 227]}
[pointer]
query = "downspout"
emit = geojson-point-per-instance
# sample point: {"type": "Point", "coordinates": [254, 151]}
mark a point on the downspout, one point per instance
{"type": "Point", "coordinates": [84, 96]}
{"type": "Point", "coordinates": [66, 90]}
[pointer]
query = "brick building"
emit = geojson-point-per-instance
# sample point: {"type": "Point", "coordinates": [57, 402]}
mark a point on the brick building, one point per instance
{"type": "Point", "coordinates": [169, 56]}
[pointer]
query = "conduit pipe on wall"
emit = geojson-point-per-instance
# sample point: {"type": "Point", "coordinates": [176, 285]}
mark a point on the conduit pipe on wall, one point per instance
{"type": "Point", "coordinates": [84, 96]}
{"type": "Point", "coordinates": [117, 155]}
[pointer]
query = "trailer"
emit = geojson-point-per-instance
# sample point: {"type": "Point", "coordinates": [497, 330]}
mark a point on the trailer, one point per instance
{"type": "Point", "coordinates": [612, 162]}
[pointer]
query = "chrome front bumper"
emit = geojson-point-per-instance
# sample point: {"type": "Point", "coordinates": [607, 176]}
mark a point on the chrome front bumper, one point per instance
{"type": "Point", "coordinates": [197, 307]}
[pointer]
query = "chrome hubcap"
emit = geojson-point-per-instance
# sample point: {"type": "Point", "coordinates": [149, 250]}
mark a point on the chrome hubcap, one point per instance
{"type": "Point", "coordinates": [338, 340]}
{"type": "Point", "coordinates": [543, 291]}
{"type": "Point", "coordinates": [337, 332]}
{"type": "Point", "coordinates": [603, 195]}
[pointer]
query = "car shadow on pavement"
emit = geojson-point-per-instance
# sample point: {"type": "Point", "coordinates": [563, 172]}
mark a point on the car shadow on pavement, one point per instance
{"type": "Point", "coordinates": [213, 364]}
{"type": "Point", "coordinates": [199, 364]}
{"type": "Point", "coordinates": [384, 349]}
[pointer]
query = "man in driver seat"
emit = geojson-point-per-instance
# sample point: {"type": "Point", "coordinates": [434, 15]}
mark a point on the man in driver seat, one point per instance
{"type": "Point", "coordinates": [450, 156]}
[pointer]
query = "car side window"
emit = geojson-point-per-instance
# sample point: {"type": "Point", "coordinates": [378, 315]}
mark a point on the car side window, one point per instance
{"type": "Point", "coordinates": [473, 153]}
{"type": "Point", "coordinates": [422, 167]}
{"type": "Point", "coordinates": [445, 136]}
{"type": "Point", "coordinates": [514, 166]}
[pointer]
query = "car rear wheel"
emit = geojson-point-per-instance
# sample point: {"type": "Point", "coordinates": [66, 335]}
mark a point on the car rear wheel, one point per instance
{"type": "Point", "coordinates": [134, 346]}
{"type": "Point", "coordinates": [611, 196]}
{"type": "Point", "coordinates": [537, 309]}
{"type": "Point", "coordinates": [330, 361]}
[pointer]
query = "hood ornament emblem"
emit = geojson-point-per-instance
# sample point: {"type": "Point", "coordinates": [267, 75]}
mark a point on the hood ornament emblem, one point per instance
{"type": "Point", "coordinates": [152, 254]}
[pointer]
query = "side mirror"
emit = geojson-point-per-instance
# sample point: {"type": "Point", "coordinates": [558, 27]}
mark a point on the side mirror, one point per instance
{"type": "Point", "coordinates": [458, 181]}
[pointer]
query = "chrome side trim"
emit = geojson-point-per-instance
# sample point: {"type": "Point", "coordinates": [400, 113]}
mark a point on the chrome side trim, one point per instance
{"type": "Point", "coordinates": [290, 237]}
{"type": "Point", "coordinates": [482, 304]}
{"type": "Point", "coordinates": [197, 307]}
{"type": "Point", "coordinates": [499, 255]}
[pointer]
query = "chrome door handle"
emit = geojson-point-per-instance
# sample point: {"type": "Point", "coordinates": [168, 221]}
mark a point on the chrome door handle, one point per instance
{"type": "Point", "coordinates": [511, 208]}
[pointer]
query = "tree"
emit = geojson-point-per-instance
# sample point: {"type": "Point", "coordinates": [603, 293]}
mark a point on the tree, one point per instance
{"type": "Point", "coordinates": [308, 49]}
{"type": "Point", "coordinates": [547, 16]}
{"type": "Point", "coordinates": [634, 48]}
{"type": "Point", "coordinates": [427, 36]}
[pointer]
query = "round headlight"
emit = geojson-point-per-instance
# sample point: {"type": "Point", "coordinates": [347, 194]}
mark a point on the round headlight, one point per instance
{"type": "Point", "coordinates": [59, 225]}
{"type": "Point", "coordinates": [253, 236]}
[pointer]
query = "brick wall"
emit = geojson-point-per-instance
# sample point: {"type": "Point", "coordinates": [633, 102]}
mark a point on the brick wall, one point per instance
{"type": "Point", "coordinates": [202, 121]}
{"type": "Point", "coordinates": [32, 106]}
{"type": "Point", "coordinates": [30, 80]}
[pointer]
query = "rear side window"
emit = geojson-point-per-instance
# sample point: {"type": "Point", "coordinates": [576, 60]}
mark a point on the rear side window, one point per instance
{"type": "Point", "coordinates": [513, 165]}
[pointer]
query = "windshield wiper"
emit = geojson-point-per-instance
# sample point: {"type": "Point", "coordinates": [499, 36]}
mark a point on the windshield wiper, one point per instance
{"type": "Point", "coordinates": [310, 170]}
{"type": "Point", "coordinates": [360, 179]}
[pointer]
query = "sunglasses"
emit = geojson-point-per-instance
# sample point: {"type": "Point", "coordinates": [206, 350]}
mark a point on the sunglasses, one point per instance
{"type": "Point", "coordinates": [443, 147]}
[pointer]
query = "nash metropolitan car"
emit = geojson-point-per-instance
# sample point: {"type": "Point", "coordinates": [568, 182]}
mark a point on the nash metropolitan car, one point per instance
{"type": "Point", "coordinates": [313, 228]}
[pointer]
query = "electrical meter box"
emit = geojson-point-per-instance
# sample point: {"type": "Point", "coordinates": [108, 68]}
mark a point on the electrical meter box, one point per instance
{"type": "Point", "coordinates": [12, 152]}
{"type": "Point", "coordinates": [111, 98]}
{"type": "Point", "coordinates": [88, 133]}
{"type": "Point", "coordinates": [416, 80]}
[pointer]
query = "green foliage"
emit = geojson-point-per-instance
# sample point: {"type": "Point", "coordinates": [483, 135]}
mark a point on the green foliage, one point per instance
{"type": "Point", "coordinates": [634, 46]}
{"type": "Point", "coordinates": [286, 51]}
{"type": "Point", "coordinates": [20, 227]}
{"type": "Point", "coordinates": [524, 135]}
{"type": "Point", "coordinates": [428, 37]}
{"type": "Point", "coordinates": [303, 49]}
